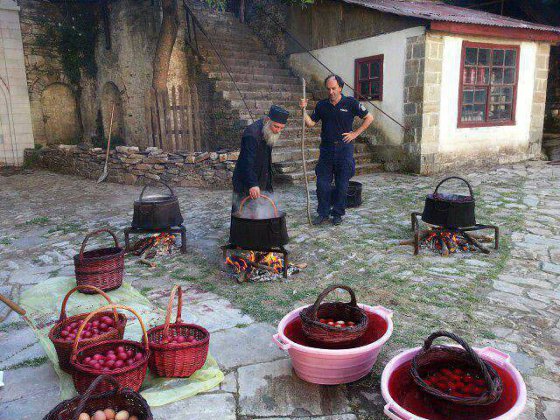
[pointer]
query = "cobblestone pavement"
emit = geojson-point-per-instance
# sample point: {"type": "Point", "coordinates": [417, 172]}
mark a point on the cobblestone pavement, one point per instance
{"type": "Point", "coordinates": [508, 299]}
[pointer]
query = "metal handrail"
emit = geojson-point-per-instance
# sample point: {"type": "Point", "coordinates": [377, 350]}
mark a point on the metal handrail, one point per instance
{"type": "Point", "coordinates": [197, 25]}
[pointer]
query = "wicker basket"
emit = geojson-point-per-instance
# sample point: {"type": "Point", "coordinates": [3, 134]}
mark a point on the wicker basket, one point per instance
{"type": "Point", "coordinates": [431, 357]}
{"type": "Point", "coordinates": [117, 399]}
{"type": "Point", "coordinates": [128, 376]}
{"type": "Point", "coordinates": [64, 347]}
{"type": "Point", "coordinates": [177, 360]}
{"type": "Point", "coordinates": [101, 267]}
{"type": "Point", "coordinates": [327, 335]}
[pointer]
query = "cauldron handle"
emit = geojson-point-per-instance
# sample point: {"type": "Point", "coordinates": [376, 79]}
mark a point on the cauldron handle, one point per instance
{"type": "Point", "coordinates": [263, 196]}
{"type": "Point", "coordinates": [455, 177]}
{"type": "Point", "coordinates": [161, 182]}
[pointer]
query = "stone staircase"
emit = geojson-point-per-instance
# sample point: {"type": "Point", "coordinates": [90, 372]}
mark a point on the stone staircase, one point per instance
{"type": "Point", "coordinates": [263, 80]}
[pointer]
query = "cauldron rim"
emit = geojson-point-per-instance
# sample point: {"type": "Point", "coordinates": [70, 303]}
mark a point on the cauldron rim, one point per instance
{"type": "Point", "coordinates": [281, 215]}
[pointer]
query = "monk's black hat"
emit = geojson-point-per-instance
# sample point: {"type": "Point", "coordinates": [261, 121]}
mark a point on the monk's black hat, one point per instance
{"type": "Point", "coordinates": [278, 114]}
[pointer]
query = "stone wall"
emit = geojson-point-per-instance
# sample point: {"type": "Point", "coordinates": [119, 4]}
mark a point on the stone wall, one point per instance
{"type": "Point", "coordinates": [430, 94]}
{"type": "Point", "coordinates": [539, 100]}
{"type": "Point", "coordinates": [130, 165]}
{"type": "Point", "coordinates": [44, 69]}
{"type": "Point", "coordinates": [413, 101]}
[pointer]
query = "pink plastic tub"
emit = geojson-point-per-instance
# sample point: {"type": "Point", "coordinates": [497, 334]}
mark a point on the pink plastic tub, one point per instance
{"type": "Point", "coordinates": [396, 412]}
{"type": "Point", "coordinates": [333, 367]}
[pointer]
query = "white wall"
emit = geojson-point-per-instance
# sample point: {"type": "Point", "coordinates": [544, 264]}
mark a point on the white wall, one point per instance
{"type": "Point", "coordinates": [15, 112]}
{"type": "Point", "coordinates": [454, 139]}
{"type": "Point", "coordinates": [340, 59]}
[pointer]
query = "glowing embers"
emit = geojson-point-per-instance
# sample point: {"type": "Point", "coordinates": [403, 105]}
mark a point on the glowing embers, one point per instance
{"type": "Point", "coordinates": [446, 241]}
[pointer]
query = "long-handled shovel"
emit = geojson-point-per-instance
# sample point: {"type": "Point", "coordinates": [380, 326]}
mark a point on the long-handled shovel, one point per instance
{"type": "Point", "coordinates": [104, 174]}
{"type": "Point", "coordinates": [303, 157]}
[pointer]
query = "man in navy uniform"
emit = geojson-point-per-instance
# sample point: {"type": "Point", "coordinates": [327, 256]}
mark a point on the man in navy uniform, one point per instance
{"type": "Point", "coordinates": [336, 158]}
{"type": "Point", "coordinates": [253, 170]}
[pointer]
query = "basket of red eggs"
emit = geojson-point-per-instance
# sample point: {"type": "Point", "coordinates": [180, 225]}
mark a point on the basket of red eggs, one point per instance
{"type": "Point", "coordinates": [334, 324]}
{"type": "Point", "coordinates": [125, 360]}
{"type": "Point", "coordinates": [178, 349]}
{"type": "Point", "coordinates": [455, 374]}
{"type": "Point", "coordinates": [108, 325]}
{"type": "Point", "coordinates": [115, 404]}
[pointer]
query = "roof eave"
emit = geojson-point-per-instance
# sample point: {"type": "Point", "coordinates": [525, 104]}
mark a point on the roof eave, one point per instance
{"type": "Point", "coordinates": [495, 31]}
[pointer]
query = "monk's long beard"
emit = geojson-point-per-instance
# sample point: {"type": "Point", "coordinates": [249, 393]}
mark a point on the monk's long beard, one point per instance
{"type": "Point", "coordinates": [269, 136]}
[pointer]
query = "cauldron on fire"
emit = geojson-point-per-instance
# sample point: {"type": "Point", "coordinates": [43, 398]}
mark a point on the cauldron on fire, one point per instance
{"type": "Point", "coordinates": [450, 210]}
{"type": "Point", "coordinates": [157, 211]}
{"type": "Point", "coordinates": [258, 234]}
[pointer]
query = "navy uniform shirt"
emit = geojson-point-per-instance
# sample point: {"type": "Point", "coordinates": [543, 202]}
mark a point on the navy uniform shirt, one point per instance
{"type": "Point", "coordinates": [337, 119]}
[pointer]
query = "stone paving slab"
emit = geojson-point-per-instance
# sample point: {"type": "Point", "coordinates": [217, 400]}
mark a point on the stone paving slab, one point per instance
{"type": "Point", "coordinates": [236, 347]}
{"type": "Point", "coordinates": [30, 394]}
{"type": "Point", "coordinates": [273, 389]}
{"type": "Point", "coordinates": [200, 407]}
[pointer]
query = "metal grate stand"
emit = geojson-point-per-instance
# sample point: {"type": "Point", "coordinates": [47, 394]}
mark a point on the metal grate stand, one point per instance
{"type": "Point", "coordinates": [172, 230]}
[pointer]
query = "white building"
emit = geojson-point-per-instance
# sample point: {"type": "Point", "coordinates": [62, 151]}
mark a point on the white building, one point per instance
{"type": "Point", "coordinates": [469, 86]}
{"type": "Point", "coordinates": [15, 115]}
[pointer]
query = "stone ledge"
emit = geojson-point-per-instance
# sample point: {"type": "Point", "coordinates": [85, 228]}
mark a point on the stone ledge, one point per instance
{"type": "Point", "coordinates": [130, 165]}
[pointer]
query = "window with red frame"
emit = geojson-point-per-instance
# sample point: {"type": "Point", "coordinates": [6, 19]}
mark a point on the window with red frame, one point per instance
{"type": "Point", "coordinates": [488, 85]}
{"type": "Point", "coordinates": [369, 78]}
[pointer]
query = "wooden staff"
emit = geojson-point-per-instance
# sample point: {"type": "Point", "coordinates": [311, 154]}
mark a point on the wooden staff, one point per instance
{"type": "Point", "coordinates": [303, 157]}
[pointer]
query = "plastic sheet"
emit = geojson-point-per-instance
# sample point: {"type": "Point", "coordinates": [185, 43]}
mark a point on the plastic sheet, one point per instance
{"type": "Point", "coordinates": [43, 301]}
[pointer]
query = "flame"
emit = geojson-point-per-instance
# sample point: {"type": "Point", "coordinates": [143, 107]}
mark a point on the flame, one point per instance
{"type": "Point", "coordinates": [243, 263]}
{"type": "Point", "coordinates": [273, 261]}
{"type": "Point", "coordinates": [452, 241]}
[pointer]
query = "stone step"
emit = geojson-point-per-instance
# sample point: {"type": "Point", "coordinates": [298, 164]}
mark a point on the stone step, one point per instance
{"type": "Point", "coordinates": [285, 155]}
{"type": "Point", "coordinates": [233, 52]}
{"type": "Point", "coordinates": [255, 78]}
{"type": "Point", "coordinates": [260, 95]}
{"type": "Point", "coordinates": [263, 105]}
{"type": "Point", "coordinates": [297, 177]}
{"type": "Point", "coordinates": [230, 37]}
{"type": "Point", "coordinates": [295, 165]}
{"type": "Point", "coordinates": [235, 70]}
{"type": "Point", "coordinates": [263, 63]}
{"type": "Point", "coordinates": [257, 86]}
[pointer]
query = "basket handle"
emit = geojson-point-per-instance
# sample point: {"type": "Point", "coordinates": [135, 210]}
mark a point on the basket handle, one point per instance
{"type": "Point", "coordinates": [455, 177]}
{"type": "Point", "coordinates": [262, 196]}
{"type": "Point", "coordinates": [89, 392]}
{"type": "Point", "coordinates": [178, 319]}
{"type": "Point", "coordinates": [63, 315]}
{"type": "Point", "coordinates": [106, 308]}
{"type": "Point", "coordinates": [474, 356]}
{"type": "Point", "coordinates": [161, 182]}
{"type": "Point", "coordinates": [94, 233]}
{"type": "Point", "coordinates": [325, 292]}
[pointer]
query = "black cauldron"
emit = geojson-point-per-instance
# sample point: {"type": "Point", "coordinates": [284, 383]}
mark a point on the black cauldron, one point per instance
{"type": "Point", "coordinates": [450, 210]}
{"type": "Point", "coordinates": [158, 211]}
{"type": "Point", "coordinates": [353, 196]}
{"type": "Point", "coordinates": [258, 234]}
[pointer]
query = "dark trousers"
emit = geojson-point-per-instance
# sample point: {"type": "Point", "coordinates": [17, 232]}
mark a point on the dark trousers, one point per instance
{"type": "Point", "coordinates": [336, 161]}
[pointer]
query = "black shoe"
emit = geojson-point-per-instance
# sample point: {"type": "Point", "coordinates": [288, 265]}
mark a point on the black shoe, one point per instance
{"type": "Point", "coordinates": [319, 220]}
{"type": "Point", "coordinates": [337, 220]}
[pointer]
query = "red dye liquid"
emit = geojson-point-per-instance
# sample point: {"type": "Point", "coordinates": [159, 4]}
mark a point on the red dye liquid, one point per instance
{"type": "Point", "coordinates": [409, 396]}
{"type": "Point", "coordinates": [377, 326]}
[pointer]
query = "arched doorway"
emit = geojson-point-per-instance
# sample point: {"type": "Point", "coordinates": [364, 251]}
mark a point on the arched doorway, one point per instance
{"type": "Point", "coordinates": [111, 96]}
{"type": "Point", "coordinates": [60, 114]}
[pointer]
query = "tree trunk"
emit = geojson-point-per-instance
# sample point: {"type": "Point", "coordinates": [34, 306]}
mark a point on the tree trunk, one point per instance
{"type": "Point", "coordinates": [166, 41]}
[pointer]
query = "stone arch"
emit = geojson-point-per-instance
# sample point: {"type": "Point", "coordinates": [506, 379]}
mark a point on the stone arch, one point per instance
{"type": "Point", "coordinates": [60, 114]}
{"type": "Point", "coordinates": [111, 95]}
